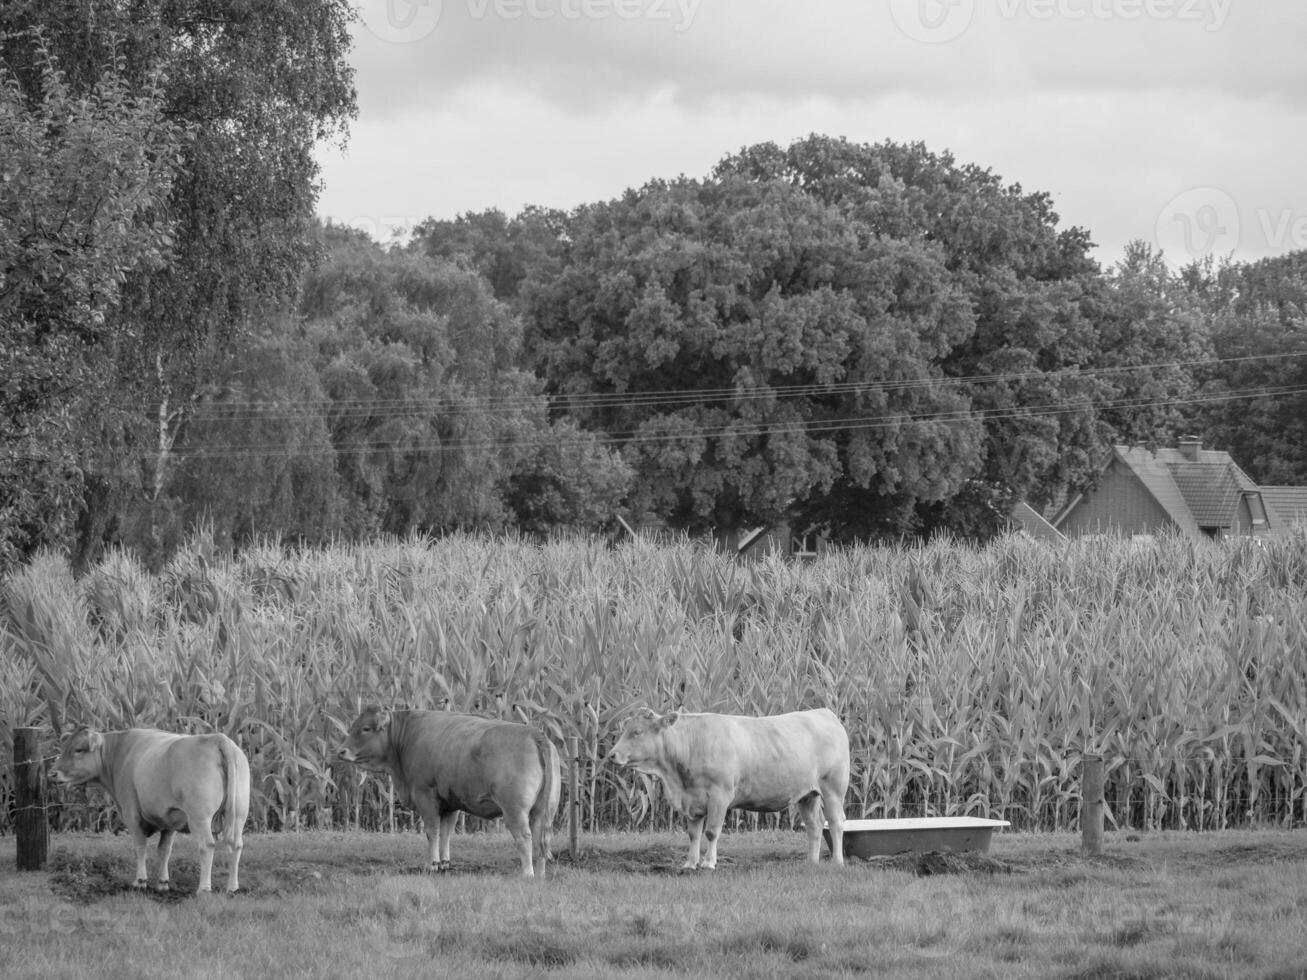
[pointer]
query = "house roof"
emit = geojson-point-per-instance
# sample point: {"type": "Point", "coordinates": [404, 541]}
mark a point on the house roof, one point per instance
{"type": "Point", "coordinates": [1211, 490]}
{"type": "Point", "coordinates": [1029, 521]}
{"type": "Point", "coordinates": [1196, 488]}
{"type": "Point", "coordinates": [1157, 478]}
{"type": "Point", "coordinates": [1286, 505]}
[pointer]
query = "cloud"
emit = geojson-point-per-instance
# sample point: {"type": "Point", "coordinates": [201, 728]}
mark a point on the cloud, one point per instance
{"type": "Point", "coordinates": [839, 49]}
{"type": "Point", "coordinates": [1117, 117]}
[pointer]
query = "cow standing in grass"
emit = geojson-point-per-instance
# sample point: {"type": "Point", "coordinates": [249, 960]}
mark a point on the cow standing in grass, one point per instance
{"type": "Point", "coordinates": [166, 783]}
{"type": "Point", "coordinates": [444, 762]}
{"type": "Point", "coordinates": [711, 763]}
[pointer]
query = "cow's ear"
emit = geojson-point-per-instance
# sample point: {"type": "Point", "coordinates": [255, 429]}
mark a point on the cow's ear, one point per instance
{"type": "Point", "coordinates": [94, 740]}
{"type": "Point", "coordinates": [668, 720]}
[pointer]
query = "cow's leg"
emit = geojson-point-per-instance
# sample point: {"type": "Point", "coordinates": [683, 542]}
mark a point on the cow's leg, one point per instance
{"type": "Point", "coordinates": [518, 823]}
{"type": "Point", "coordinates": [139, 839]}
{"type": "Point", "coordinates": [236, 844]}
{"type": "Point", "coordinates": [832, 805]}
{"type": "Point", "coordinates": [694, 827]}
{"type": "Point", "coordinates": [810, 812]}
{"type": "Point", "coordinates": [433, 844]}
{"type": "Point", "coordinates": [166, 838]}
{"type": "Point", "coordinates": [540, 843]}
{"type": "Point", "coordinates": [446, 837]}
{"type": "Point", "coordinates": [202, 830]}
{"type": "Point", "coordinates": [713, 821]}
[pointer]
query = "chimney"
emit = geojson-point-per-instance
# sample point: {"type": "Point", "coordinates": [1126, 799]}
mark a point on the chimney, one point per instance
{"type": "Point", "coordinates": [1189, 447]}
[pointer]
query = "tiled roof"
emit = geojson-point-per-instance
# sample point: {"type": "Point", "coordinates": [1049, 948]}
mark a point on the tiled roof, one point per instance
{"type": "Point", "coordinates": [1211, 490]}
{"type": "Point", "coordinates": [1208, 457]}
{"type": "Point", "coordinates": [1031, 522]}
{"type": "Point", "coordinates": [1287, 505]}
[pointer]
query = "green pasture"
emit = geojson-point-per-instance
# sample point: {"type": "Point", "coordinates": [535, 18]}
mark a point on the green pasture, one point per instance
{"type": "Point", "coordinates": [1224, 904]}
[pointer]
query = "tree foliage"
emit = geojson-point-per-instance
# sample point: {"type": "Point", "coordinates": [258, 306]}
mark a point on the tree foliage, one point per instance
{"type": "Point", "coordinates": [835, 333]}
{"type": "Point", "coordinates": [872, 339]}
{"type": "Point", "coordinates": [257, 86]}
{"type": "Point", "coordinates": [504, 250]}
{"type": "Point", "coordinates": [393, 402]}
{"type": "Point", "coordinates": [1256, 317]}
{"type": "Point", "coordinates": [84, 182]}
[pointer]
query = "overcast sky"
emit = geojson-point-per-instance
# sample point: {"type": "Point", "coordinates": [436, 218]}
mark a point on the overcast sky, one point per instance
{"type": "Point", "coordinates": [1182, 122]}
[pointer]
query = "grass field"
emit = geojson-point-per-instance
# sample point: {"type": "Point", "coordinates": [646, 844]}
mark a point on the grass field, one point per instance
{"type": "Point", "coordinates": [320, 904]}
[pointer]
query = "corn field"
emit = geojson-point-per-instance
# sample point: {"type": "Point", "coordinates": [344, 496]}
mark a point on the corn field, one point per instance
{"type": "Point", "coordinates": [971, 680]}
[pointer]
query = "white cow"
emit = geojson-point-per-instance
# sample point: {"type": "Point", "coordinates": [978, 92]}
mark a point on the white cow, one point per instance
{"type": "Point", "coordinates": [711, 763]}
{"type": "Point", "coordinates": [164, 782]}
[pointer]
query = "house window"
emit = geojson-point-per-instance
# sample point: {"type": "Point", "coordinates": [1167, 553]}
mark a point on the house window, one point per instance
{"type": "Point", "coordinates": [804, 545]}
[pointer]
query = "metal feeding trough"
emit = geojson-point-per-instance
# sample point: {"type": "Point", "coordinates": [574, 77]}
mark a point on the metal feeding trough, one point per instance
{"type": "Point", "coordinates": [874, 838]}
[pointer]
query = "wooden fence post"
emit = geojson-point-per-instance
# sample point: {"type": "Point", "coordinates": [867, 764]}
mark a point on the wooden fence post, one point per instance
{"type": "Point", "coordinates": [574, 797]}
{"type": "Point", "coordinates": [31, 828]}
{"type": "Point", "coordinates": [1091, 805]}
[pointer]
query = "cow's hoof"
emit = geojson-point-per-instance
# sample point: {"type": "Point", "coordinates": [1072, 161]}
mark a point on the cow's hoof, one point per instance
{"type": "Point", "coordinates": [163, 886]}
{"type": "Point", "coordinates": [441, 867]}
{"type": "Point", "coordinates": [141, 884]}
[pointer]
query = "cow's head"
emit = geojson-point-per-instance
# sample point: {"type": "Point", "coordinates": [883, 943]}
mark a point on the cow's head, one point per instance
{"type": "Point", "coordinates": [368, 742]}
{"type": "Point", "coordinates": [641, 741]}
{"type": "Point", "coordinates": [80, 758]}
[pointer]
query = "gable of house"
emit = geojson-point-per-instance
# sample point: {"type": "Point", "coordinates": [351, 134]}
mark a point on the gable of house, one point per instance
{"type": "Point", "coordinates": [1195, 490]}
{"type": "Point", "coordinates": [1136, 494]}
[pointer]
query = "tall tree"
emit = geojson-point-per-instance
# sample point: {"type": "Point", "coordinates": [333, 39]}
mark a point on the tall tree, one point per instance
{"type": "Point", "coordinates": [1257, 390]}
{"type": "Point", "coordinates": [1024, 281]}
{"type": "Point", "coordinates": [1152, 339]}
{"type": "Point", "coordinates": [435, 425]}
{"type": "Point", "coordinates": [868, 337]}
{"type": "Point", "coordinates": [83, 184]}
{"type": "Point", "coordinates": [258, 86]}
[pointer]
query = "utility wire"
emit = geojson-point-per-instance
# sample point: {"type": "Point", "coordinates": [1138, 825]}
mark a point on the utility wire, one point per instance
{"type": "Point", "coordinates": [410, 407]}
{"type": "Point", "coordinates": [797, 427]}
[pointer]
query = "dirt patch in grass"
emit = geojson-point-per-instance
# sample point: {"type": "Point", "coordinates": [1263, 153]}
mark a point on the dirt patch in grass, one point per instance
{"type": "Point", "coordinates": [662, 859]}
{"type": "Point", "coordinates": [942, 863]}
{"type": "Point", "coordinates": [85, 880]}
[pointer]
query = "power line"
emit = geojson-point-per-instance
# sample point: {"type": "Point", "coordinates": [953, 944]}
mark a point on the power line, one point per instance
{"type": "Point", "coordinates": [749, 430]}
{"type": "Point", "coordinates": [401, 408]}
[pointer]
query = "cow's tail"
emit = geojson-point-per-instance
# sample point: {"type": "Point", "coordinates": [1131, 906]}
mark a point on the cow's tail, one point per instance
{"type": "Point", "coordinates": [236, 802]}
{"type": "Point", "coordinates": [546, 805]}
